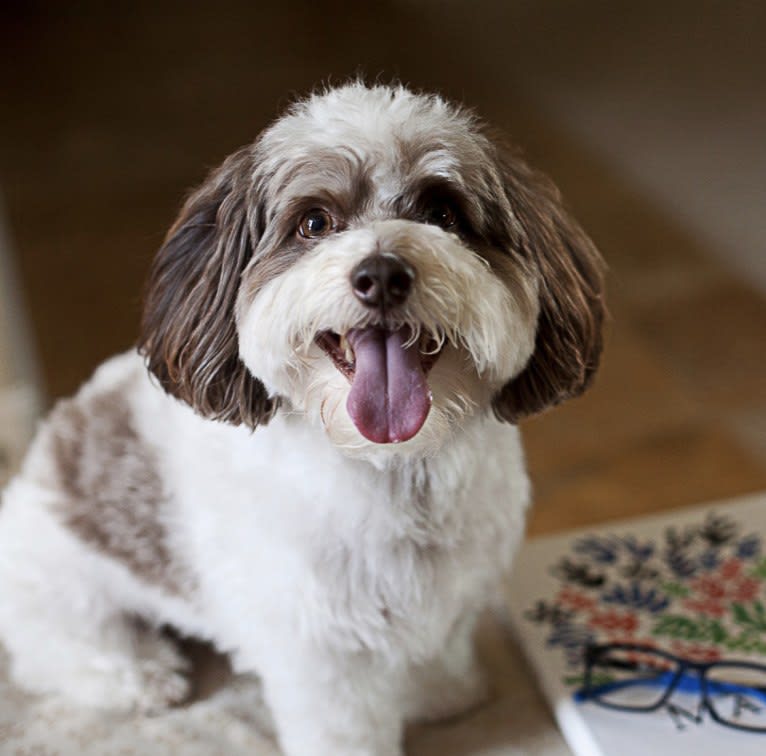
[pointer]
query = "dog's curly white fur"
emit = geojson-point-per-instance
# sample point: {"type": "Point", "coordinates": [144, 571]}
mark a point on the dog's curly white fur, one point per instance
{"type": "Point", "coordinates": [346, 572]}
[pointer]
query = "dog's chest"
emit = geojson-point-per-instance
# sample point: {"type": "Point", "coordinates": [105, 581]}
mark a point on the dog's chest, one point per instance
{"type": "Point", "coordinates": [350, 554]}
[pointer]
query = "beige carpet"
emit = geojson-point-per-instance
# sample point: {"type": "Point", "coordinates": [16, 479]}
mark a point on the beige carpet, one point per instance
{"type": "Point", "coordinates": [515, 722]}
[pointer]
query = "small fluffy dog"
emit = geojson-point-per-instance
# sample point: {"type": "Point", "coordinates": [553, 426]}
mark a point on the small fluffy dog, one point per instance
{"type": "Point", "coordinates": [320, 471]}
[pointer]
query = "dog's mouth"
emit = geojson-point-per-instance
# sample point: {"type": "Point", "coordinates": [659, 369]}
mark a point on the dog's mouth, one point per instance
{"type": "Point", "coordinates": [389, 398]}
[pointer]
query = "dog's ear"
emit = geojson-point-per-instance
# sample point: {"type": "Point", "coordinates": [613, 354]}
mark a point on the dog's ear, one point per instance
{"type": "Point", "coordinates": [188, 332]}
{"type": "Point", "coordinates": [568, 341]}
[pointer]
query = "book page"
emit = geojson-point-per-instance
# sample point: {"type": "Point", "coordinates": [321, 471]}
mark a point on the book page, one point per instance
{"type": "Point", "coordinates": [690, 584]}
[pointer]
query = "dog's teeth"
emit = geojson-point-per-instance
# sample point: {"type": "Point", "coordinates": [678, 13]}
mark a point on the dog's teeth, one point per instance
{"type": "Point", "coordinates": [345, 347]}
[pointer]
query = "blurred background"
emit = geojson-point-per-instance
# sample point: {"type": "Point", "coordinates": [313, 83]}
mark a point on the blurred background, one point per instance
{"type": "Point", "coordinates": [650, 117]}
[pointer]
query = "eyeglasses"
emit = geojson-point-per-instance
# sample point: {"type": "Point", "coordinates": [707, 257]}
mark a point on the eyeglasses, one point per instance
{"type": "Point", "coordinates": [642, 679]}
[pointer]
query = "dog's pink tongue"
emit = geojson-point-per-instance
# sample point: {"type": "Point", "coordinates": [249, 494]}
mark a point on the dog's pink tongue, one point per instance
{"type": "Point", "coordinates": [389, 398]}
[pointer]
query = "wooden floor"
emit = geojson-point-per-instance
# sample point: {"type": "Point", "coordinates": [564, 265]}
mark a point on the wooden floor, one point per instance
{"type": "Point", "coordinates": [110, 113]}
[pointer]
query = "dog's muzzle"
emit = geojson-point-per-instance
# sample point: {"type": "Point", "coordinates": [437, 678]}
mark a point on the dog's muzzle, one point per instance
{"type": "Point", "coordinates": [389, 399]}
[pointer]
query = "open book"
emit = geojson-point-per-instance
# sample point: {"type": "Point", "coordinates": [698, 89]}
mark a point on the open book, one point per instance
{"type": "Point", "coordinates": [648, 636]}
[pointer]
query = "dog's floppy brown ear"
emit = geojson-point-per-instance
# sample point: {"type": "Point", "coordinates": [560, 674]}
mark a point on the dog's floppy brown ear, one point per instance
{"type": "Point", "coordinates": [188, 332]}
{"type": "Point", "coordinates": [568, 342]}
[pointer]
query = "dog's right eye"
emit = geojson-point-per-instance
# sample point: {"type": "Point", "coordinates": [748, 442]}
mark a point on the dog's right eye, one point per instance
{"type": "Point", "coordinates": [441, 214]}
{"type": "Point", "coordinates": [316, 223]}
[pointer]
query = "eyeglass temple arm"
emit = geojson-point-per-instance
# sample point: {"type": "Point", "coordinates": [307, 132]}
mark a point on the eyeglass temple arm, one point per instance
{"type": "Point", "coordinates": [686, 684]}
{"type": "Point", "coordinates": [594, 691]}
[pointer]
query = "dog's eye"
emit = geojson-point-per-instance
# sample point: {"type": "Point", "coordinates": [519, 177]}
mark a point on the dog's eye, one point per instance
{"type": "Point", "coordinates": [315, 223]}
{"type": "Point", "coordinates": [441, 214]}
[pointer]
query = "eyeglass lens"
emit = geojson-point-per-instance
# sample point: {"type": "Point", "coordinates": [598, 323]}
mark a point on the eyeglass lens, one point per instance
{"type": "Point", "coordinates": [737, 694]}
{"type": "Point", "coordinates": [630, 678]}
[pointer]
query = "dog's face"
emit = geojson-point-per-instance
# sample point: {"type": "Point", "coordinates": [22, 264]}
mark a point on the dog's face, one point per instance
{"type": "Point", "coordinates": [375, 263]}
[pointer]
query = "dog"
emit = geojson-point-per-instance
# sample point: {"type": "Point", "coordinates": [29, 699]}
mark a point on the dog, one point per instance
{"type": "Point", "coordinates": [312, 458]}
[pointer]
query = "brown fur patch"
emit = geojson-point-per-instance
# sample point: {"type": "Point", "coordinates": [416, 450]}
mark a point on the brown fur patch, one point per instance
{"type": "Point", "coordinates": [114, 494]}
{"type": "Point", "coordinates": [333, 182]}
{"type": "Point", "coordinates": [483, 225]}
{"type": "Point", "coordinates": [189, 332]}
{"type": "Point", "coordinates": [570, 273]}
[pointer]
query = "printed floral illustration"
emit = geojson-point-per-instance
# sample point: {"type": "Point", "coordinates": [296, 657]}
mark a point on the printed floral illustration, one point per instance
{"type": "Point", "coordinates": [698, 591]}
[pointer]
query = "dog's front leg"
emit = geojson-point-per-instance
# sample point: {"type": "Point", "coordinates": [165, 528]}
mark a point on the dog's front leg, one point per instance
{"type": "Point", "coordinates": [326, 704]}
{"type": "Point", "coordinates": [451, 683]}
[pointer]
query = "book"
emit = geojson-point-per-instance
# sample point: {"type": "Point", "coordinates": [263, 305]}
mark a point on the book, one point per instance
{"type": "Point", "coordinates": [648, 636]}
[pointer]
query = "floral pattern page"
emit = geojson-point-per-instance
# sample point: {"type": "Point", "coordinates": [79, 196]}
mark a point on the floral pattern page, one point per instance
{"type": "Point", "coordinates": [688, 585]}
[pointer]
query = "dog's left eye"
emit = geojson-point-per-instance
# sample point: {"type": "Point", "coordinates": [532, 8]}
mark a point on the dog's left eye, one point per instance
{"type": "Point", "coordinates": [441, 214]}
{"type": "Point", "coordinates": [315, 223]}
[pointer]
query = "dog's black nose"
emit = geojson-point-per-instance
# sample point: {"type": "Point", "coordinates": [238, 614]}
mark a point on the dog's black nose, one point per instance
{"type": "Point", "coordinates": [382, 280]}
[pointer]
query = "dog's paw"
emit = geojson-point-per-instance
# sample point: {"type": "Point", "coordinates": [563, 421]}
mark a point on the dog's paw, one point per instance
{"type": "Point", "coordinates": [148, 680]}
{"type": "Point", "coordinates": [144, 686]}
{"type": "Point", "coordinates": [159, 687]}
{"type": "Point", "coordinates": [157, 679]}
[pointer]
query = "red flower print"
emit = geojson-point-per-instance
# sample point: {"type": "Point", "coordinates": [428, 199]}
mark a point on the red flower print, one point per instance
{"type": "Point", "coordinates": [710, 587]}
{"type": "Point", "coordinates": [632, 640]}
{"type": "Point", "coordinates": [730, 569]}
{"type": "Point", "coordinates": [716, 592]}
{"type": "Point", "coordinates": [611, 620]}
{"type": "Point", "coordinates": [745, 590]}
{"type": "Point", "coordinates": [571, 598]}
{"type": "Point", "coordinates": [706, 606]}
{"type": "Point", "coordinates": [644, 658]}
{"type": "Point", "coordinates": [695, 651]}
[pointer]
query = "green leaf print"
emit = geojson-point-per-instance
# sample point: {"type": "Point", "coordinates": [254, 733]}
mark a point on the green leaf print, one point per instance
{"type": "Point", "coordinates": [689, 629]}
{"type": "Point", "coordinates": [676, 590]}
{"type": "Point", "coordinates": [752, 618]}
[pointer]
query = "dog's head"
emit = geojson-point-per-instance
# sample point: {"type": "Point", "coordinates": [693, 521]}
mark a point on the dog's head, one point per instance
{"type": "Point", "coordinates": [375, 262]}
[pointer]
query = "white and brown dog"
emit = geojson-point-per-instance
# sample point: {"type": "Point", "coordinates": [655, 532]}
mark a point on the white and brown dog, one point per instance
{"type": "Point", "coordinates": [320, 471]}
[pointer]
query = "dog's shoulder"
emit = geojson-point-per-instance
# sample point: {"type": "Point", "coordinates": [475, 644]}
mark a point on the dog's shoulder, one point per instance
{"type": "Point", "coordinates": [98, 471]}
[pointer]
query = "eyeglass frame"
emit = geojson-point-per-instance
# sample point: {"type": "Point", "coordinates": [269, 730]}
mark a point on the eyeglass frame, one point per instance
{"type": "Point", "coordinates": [593, 651]}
